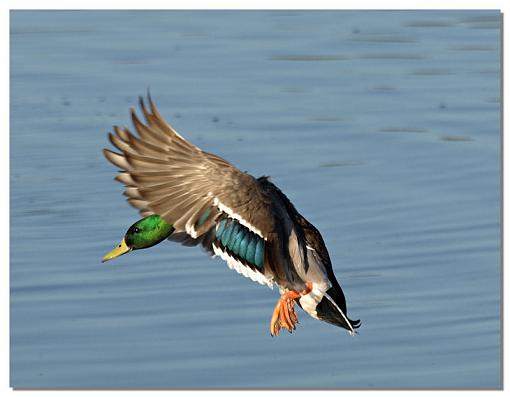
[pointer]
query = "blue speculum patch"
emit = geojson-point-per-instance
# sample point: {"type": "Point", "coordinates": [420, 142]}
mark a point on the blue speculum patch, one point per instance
{"type": "Point", "coordinates": [220, 228]}
{"type": "Point", "coordinates": [241, 242]}
{"type": "Point", "coordinates": [204, 217]}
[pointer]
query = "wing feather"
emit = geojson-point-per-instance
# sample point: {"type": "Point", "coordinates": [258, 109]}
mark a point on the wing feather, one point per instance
{"type": "Point", "coordinates": [165, 174]}
{"type": "Point", "coordinates": [125, 178]}
{"type": "Point", "coordinates": [122, 133]}
{"type": "Point", "coordinates": [117, 159]}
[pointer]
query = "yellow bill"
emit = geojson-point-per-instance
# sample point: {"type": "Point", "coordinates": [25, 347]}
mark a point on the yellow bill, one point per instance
{"type": "Point", "coordinates": [119, 250]}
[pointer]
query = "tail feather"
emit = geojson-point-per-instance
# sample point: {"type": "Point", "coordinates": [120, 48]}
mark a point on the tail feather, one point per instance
{"type": "Point", "coordinates": [331, 310]}
{"type": "Point", "coordinates": [337, 316]}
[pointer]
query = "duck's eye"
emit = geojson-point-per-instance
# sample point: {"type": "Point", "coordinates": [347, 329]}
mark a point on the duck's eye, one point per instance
{"type": "Point", "coordinates": [136, 230]}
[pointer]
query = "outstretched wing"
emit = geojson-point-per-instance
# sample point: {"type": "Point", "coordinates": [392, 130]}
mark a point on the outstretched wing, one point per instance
{"type": "Point", "coordinates": [191, 189]}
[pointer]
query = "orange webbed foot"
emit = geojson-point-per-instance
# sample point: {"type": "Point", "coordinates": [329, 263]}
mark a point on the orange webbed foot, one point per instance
{"type": "Point", "coordinates": [284, 314]}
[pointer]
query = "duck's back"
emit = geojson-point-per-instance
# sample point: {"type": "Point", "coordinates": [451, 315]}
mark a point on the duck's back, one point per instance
{"type": "Point", "coordinates": [309, 261]}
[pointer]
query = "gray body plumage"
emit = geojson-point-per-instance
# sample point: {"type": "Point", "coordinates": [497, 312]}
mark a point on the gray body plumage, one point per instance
{"type": "Point", "coordinates": [246, 221]}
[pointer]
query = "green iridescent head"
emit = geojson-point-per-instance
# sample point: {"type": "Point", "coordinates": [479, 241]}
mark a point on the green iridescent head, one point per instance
{"type": "Point", "coordinates": [145, 233]}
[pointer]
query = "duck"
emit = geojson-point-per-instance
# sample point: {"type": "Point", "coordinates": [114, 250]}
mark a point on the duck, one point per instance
{"type": "Point", "coordinates": [196, 198]}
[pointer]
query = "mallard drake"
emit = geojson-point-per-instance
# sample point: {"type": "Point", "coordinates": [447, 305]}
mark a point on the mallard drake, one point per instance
{"type": "Point", "coordinates": [197, 198]}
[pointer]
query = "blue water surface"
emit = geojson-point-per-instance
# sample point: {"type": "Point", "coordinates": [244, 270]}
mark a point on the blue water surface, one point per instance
{"type": "Point", "coordinates": [383, 128]}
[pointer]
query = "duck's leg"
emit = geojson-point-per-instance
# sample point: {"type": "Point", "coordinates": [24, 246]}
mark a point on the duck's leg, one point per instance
{"type": "Point", "coordinates": [284, 314]}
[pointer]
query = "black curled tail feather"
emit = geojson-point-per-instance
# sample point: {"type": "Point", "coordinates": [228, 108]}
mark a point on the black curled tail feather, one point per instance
{"type": "Point", "coordinates": [332, 309]}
